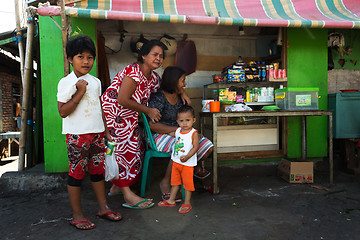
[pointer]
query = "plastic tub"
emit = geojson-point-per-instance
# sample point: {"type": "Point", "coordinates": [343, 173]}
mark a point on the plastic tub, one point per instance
{"type": "Point", "coordinates": [297, 98]}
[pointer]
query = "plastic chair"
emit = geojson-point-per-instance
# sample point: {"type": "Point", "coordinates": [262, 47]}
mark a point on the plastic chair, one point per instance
{"type": "Point", "coordinates": [151, 151]}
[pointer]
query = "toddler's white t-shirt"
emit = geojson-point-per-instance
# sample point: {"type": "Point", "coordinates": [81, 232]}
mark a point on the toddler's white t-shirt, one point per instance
{"type": "Point", "coordinates": [183, 145]}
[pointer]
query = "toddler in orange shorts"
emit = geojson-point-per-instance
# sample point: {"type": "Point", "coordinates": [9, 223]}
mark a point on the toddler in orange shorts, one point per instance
{"type": "Point", "coordinates": [184, 158]}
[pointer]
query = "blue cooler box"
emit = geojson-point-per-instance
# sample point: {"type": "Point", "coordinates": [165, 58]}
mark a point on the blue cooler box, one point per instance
{"type": "Point", "coordinates": [346, 115]}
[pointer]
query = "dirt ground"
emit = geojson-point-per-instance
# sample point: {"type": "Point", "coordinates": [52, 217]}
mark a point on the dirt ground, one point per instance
{"type": "Point", "coordinates": [254, 203]}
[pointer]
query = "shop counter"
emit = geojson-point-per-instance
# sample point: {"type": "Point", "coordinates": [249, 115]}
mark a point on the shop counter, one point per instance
{"type": "Point", "coordinates": [216, 116]}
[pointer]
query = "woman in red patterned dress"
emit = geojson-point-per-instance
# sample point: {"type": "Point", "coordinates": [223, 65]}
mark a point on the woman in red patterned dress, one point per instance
{"type": "Point", "coordinates": [124, 99]}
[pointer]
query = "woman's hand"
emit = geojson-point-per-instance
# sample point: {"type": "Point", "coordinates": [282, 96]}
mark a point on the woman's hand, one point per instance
{"type": "Point", "coordinates": [185, 98]}
{"type": "Point", "coordinates": [107, 135]}
{"type": "Point", "coordinates": [154, 114]}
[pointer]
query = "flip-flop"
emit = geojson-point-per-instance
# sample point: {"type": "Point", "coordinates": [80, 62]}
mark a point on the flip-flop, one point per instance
{"type": "Point", "coordinates": [184, 206]}
{"type": "Point", "coordinates": [166, 204]}
{"type": "Point", "coordinates": [114, 194]}
{"type": "Point", "coordinates": [207, 173]}
{"type": "Point", "coordinates": [75, 224]}
{"type": "Point", "coordinates": [166, 196]}
{"type": "Point", "coordinates": [107, 217]}
{"type": "Point", "coordinates": [136, 206]}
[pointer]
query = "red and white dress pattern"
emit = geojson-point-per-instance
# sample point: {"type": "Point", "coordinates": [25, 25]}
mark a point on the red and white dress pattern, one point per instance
{"type": "Point", "coordinates": [123, 123]}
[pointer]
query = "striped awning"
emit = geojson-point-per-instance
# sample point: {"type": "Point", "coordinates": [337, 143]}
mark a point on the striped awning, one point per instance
{"type": "Point", "coordinates": [261, 13]}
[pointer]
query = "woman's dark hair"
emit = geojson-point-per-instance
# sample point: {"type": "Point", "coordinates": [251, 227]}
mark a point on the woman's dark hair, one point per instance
{"type": "Point", "coordinates": [147, 46]}
{"type": "Point", "coordinates": [185, 109]}
{"type": "Point", "coordinates": [80, 44]}
{"type": "Point", "coordinates": [170, 78]}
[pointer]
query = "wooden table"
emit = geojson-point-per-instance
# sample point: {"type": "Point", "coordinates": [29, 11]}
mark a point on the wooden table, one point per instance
{"type": "Point", "coordinates": [11, 137]}
{"type": "Point", "coordinates": [303, 114]}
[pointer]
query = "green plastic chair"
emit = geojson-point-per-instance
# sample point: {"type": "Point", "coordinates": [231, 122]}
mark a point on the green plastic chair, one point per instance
{"type": "Point", "coordinates": [151, 152]}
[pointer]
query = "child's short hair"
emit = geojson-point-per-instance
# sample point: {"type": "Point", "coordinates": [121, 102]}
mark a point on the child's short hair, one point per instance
{"type": "Point", "coordinates": [80, 44]}
{"type": "Point", "coordinates": [185, 109]}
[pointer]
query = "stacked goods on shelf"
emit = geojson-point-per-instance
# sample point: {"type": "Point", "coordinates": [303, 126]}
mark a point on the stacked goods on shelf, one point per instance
{"type": "Point", "coordinates": [235, 72]}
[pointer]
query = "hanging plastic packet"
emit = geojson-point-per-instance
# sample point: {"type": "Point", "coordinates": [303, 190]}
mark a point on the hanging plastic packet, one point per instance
{"type": "Point", "coordinates": [111, 166]}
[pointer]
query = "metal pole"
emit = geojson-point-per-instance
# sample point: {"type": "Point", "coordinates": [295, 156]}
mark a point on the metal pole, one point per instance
{"type": "Point", "coordinates": [26, 90]}
{"type": "Point", "coordinates": [331, 153]}
{"type": "Point", "coordinates": [64, 37]}
{"type": "Point", "coordinates": [19, 37]}
{"type": "Point", "coordinates": [215, 163]}
{"type": "Point", "coordinates": [303, 138]}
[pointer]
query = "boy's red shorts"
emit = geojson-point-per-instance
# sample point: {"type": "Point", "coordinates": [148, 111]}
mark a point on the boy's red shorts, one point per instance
{"type": "Point", "coordinates": [85, 151]}
{"type": "Point", "coordinates": [182, 174]}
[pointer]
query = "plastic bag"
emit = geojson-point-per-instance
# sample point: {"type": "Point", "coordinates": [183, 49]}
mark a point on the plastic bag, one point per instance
{"type": "Point", "coordinates": [239, 107]}
{"type": "Point", "coordinates": [111, 166]}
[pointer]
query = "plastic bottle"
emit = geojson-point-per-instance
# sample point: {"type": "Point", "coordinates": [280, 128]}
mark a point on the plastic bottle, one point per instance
{"type": "Point", "coordinates": [255, 71]}
{"type": "Point", "coordinates": [256, 95]}
{"type": "Point", "coordinates": [258, 65]}
{"type": "Point", "coordinates": [248, 96]}
{"type": "Point", "coordinates": [263, 72]}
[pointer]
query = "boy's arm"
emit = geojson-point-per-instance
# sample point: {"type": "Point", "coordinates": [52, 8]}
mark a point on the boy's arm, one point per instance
{"type": "Point", "coordinates": [65, 109]}
{"type": "Point", "coordinates": [195, 142]}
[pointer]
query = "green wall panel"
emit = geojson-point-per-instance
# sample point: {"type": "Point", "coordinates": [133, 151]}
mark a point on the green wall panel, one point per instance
{"type": "Point", "coordinates": [352, 38]}
{"type": "Point", "coordinates": [307, 67]}
{"type": "Point", "coordinates": [52, 70]}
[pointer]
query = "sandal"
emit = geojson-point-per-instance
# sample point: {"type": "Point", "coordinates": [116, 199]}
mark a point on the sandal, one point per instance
{"type": "Point", "coordinates": [77, 224]}
{"type": "Point", "coordinates": [187, 208]}
{"type": "Point", "coordinates": [202, 173]}
{"type": "Point", "coordinates": [166, 196]}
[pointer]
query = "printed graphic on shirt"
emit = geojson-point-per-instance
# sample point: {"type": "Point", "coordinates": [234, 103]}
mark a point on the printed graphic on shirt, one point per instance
{"type": "Point", "coordinates": [179, 144]}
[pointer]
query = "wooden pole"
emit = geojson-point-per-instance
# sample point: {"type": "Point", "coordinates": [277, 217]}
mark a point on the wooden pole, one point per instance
{"type": "Point", "coordinates": [26, 90]}
{"type": "Point", "coordinates": [19, 37]}
{"type": "Point", "coordinates": [64, 26]}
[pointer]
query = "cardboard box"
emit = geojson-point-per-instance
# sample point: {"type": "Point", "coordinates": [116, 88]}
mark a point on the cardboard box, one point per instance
{"type": "Point", "coordinates": [296, 172]}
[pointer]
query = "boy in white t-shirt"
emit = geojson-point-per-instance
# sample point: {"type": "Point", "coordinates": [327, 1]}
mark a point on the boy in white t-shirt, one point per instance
{"type": "Point", "coordinates": [80, 107]}
{"type": "Point", "coordinates": [184, 158]}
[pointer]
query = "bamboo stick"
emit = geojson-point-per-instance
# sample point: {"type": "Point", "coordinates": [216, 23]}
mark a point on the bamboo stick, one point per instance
{"type": "Point", "coordinates": [64, 37]}
{"type": "Point", "coordinates": [19, 36]}
{"type": "Point", "coordinates": [26, 91]}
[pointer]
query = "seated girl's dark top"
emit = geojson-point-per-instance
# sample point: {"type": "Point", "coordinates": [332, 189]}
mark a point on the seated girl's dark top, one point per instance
{"type": "Point", "coordinates": [167, 111]}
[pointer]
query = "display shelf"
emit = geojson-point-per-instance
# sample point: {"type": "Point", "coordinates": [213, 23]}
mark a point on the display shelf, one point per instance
{"type": "Point", "coordinates": [245, 85]}
{"type": "Point", "coordinates": [259, 103]}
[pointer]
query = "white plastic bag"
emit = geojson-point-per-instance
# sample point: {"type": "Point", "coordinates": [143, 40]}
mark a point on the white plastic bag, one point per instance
{"type": "Point", "coordinates": [111, 166]}
{"type": "Point", "coordinates": [239, 107]}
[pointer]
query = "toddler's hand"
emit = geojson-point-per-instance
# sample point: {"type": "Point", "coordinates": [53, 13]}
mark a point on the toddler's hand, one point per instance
{"type": "Point", "coordinates": [183, 159]}
{"type": "Point", "coordinates": [81, 85]}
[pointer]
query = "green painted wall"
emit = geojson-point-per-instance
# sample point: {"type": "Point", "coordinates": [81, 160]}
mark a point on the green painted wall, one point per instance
{"type": "Point", "coordinates": [307, 67]}
{"type": "Point", "coordinates": [52, 70]}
